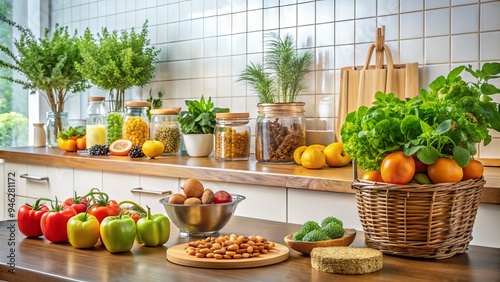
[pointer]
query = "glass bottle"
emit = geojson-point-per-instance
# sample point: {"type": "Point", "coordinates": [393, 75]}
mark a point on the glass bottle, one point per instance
{"type": "Point", "coordinates": [165, 128]}
{"type": "Point", "coordinates": [136, 122]}
{"type": "Point", "coordinates": [96, 122]}
{"type": "Point", "coordinates": [281, 128]}
{"type": "Point", "coordinates": [232, 136]}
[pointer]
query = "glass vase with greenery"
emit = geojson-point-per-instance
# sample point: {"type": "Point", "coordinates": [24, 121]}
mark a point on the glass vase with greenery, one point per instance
{"type": "Point", "coordinates": [278, 83]}
{"type": "Point", "coordinates": [47, 65]}
{"type": "Point", "coordinates": [115, 62]}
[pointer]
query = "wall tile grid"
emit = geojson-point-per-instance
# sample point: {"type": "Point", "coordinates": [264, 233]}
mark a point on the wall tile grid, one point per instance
{"type": "Point", "coordinates": [205, 44]}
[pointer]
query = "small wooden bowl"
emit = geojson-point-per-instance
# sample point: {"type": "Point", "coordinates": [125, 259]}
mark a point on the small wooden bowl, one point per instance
{"type": "Point", "coordinates": [306, 247]}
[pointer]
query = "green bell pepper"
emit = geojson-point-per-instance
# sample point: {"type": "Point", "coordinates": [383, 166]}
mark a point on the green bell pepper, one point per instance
{"type": "Point", "coordinates": [83, 231]}
{"type": "Point", "coordinates": [118, 233]}
{"type": "Point", "coordinates": [153, 230]}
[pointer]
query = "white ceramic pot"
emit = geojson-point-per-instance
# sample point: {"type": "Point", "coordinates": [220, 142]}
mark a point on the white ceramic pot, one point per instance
{"type": "Point", "coordinates": [198, 145]}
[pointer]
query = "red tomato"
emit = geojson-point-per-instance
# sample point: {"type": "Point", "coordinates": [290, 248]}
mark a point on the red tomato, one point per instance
{"type": "Point", "coordinates": [102, 211]}
{"type": "Point", "coordinates": [397, 168]}
{"type": "Point", "coordinates": [29, 217]}
{"type": "Point", "coordinates": [372, 175]}
{"type": "Point", "coordinates": [79, 204]}
{"type": "Point", "coordinates": [445, 170]}
{"type": "Point", "coordinates": [54, 224]}
{"type": "Point", "coordinates": [419, 165]}
{"type": "Point", "coordinates": [474, 170]}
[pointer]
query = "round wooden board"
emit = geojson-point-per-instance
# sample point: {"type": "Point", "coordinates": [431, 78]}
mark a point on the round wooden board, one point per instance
{"type": "Point", "coordinates": [177, 254]}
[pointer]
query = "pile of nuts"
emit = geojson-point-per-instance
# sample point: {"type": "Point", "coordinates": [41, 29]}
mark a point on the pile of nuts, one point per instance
{"type": "Point", "coordinates": [229, 247]}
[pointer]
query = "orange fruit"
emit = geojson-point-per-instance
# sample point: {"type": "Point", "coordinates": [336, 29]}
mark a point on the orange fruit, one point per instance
{"type": "Point", "coordinates": [397, 168]}
{"type": "Point", "coordinates": [120, 147]}
{"type": "Point", "coordinates": [372, 175]}
{"type": "Point", "coordinates": [445, 170]}
{"type": "Point", "coordinates": [473, 170]}
{"type": "Point", "coordinates": [313, 159]}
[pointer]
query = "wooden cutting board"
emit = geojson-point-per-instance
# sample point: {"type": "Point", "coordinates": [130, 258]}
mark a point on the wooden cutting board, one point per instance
{"type": "Point", "coordinates": [177, 254]}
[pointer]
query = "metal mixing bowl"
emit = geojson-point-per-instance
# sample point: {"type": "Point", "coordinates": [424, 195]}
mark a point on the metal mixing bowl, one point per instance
{"type": "Point", "coordinates": [201, 220]}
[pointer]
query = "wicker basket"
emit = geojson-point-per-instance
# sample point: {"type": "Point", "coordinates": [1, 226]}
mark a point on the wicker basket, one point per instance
{"type": "Point", "coordinates": [421, 221]}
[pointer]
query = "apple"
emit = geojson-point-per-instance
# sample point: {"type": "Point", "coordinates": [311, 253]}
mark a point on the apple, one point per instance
{"type": "Point", "coordinates": [335, 155]}
{"type": "Point", "coordinates": [419, 165]}
{"type": "Point", "coordinates": [222, 196]}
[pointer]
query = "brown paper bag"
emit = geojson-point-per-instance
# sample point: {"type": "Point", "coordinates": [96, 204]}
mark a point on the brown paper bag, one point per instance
{"type": "Point", "coordinates": [358, 84]}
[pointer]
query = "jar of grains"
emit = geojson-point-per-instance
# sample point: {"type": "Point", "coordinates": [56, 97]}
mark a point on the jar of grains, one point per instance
{"type": "Point", "coordinates": [232, 136]}
{"type": "Point", "coordinates": [165, 128]}
{"type": "Point", "coordinates": [136, 122]}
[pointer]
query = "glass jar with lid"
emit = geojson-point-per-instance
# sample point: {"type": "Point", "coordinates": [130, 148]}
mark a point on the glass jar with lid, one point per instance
{"type": "Point", "coordinates": [165, 128]}
{"type": "Point", "coordinates": [232, 136]}
{"type": "Point", "coordinates": [280, 129]}
{"type": "Point", "coordinates": [96, 122]}
{"type": "Point", "coordinates": [136, 122]}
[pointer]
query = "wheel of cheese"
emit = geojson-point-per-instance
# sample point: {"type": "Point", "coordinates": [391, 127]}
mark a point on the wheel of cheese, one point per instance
{"type": "Point", "coordinates": [346, 260]}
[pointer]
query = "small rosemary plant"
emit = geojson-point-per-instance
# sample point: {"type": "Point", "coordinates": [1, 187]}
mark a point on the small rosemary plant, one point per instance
{"type": "Point", "coordinates": [281, 77]}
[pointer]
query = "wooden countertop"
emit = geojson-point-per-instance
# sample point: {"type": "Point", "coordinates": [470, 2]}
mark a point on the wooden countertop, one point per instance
{"type": "Point", "coordinates": [246, 172]}
{"type": "Point", "coordinates": [40, 260]}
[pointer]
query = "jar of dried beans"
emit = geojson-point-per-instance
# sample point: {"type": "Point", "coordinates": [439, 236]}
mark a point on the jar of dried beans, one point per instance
{"type": "Point", "coordinates": [136, 122]}
{"type": "Point", "coordinates": [281, 128]}
{"type": "Point", "coordinates": [165, 128]}
{"type": "Point", "coordinates": [232, 136]}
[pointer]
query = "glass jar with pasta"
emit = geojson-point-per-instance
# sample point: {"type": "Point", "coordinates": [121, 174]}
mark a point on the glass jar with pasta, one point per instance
{"type": "Point", "coordinates": [232, 136]}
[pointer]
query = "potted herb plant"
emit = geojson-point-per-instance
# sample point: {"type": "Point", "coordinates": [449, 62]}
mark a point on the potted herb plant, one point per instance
{"type": "Point", "coordinates": [198, 126]}
{"type": "Point", "coordinates": [47, 65]}
{"type": "Point", "coordinates": [115, 62]}
{"type": "Point", "coordinates": [278, 82]}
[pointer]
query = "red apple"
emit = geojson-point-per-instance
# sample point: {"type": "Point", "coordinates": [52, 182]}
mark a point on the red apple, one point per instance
{"type": "Point", "coordinates": [419, 165]}
{"type": "Point", "coordinates": [222, 196]}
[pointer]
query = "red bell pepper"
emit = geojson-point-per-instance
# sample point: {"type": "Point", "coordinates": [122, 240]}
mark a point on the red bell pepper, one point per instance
{"type": "Point", "coordinates": [28, 218]}
{"type": "Point", "coordinates": [78, 203]}
{"type": "Point", "coordinates": [101, 207]}
{"type": "Point", "coordinates": [54, 223]}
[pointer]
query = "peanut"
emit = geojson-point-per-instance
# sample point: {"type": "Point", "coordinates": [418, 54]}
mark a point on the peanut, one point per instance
{"type": "Point", "coordinates": [229, 247]}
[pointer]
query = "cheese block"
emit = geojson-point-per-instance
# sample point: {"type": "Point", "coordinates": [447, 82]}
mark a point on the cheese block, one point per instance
{"type": "Point", "coordinates": [346, 260]}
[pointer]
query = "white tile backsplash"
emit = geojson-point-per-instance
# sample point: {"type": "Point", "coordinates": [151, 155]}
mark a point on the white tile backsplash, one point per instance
{"type": "Point", "coordinates": [206, 43]}
{"type": "Point", "coordinates": [465, 19]}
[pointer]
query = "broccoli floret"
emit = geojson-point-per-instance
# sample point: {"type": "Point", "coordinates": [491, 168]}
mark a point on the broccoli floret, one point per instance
{"type": "Point", "coordinates": [297, 236]}
{"type": "Point", "coordinates": [309, 226]}
{"type": "Point", "coordinates": [331, 219]}
{"type": "Point", "coordinates": [333, 230]}
{"type": "Point", "coordinates": [315, 235]}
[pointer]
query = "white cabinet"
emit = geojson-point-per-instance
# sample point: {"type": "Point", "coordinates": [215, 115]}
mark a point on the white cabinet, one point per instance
{"type": "Point", "coordinates": [118, 185]}
{"type": "Point", "coordinates": [304, 205]}
{"type": "Point", "coordinates": [86, 179]}
{"type": "Point", "coordinates": [37, 181]}
{"type": "Point", "coordinates": [152, 188]}
{"type": "Point", "coordinates": [261, 202]}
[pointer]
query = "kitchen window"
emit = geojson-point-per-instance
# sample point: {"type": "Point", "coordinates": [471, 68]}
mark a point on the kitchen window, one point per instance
{"type": "Point", "coordinates": [18, 109]}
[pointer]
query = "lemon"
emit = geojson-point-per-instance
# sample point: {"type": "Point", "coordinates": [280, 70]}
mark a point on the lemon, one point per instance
{"type": "Point", "coordinates": [316, 146]}
{"type": "Point", "coordinates": [297, 153]}
{"type": "Point", "coordinates": [152, 148]}
{"type": "Point", "coordinates": [335, 155]}
{"type": "Point", "coordinates": [313, 158]}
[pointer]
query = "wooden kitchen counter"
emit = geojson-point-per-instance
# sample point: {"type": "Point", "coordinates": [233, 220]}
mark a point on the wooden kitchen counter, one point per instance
{"type": "Point", "coordinates": [40, 260]}
{"type": "Point", "coordinates": [245, 172]}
